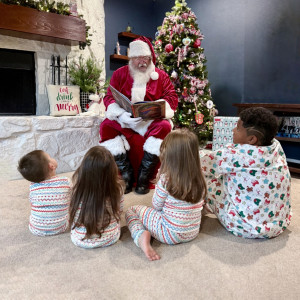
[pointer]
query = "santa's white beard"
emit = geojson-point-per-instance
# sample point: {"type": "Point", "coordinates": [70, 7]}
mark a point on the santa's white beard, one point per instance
{"type": "Point", "coordinates": [141, 77]}
{"type": "Point", "coordinates": [140, 80]}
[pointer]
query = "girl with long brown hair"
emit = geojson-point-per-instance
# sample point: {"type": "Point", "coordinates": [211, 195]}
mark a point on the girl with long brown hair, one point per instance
{"type": "Point", "coordinates": [178, 198]}
{"type": "Point", "coordinates": [96, 200]}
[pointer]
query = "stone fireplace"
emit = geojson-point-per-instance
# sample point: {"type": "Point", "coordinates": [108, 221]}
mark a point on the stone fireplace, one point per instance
{"type": "Point", "coordinates": [17, 78]}
{"type": "Point", "coordinates": [24, 129]}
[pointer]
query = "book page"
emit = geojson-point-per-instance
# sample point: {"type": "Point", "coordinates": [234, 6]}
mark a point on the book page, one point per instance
{"type": "Point", "coordinates": [149, 110]}
{"type": "Point", "coordinates": [121, 99]}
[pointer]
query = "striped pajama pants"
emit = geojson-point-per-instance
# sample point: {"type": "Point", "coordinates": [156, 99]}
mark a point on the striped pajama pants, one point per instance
{"type": "Point", "coordinates": [140, 218]}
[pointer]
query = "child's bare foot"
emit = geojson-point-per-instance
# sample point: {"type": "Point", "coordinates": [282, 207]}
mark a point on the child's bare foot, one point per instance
{"type": "Point", "coordinates": [144, 242]}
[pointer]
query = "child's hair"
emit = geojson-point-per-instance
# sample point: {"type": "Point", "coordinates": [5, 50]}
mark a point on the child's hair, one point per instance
{"type": "Point", "coordinates": [98, 190]}
{"type": "Point", "coordinates": [34, 166]}
{"type": "Point", "coordinates": [180, 162]}
{"type": "Point", "coordinates": [260, 122]}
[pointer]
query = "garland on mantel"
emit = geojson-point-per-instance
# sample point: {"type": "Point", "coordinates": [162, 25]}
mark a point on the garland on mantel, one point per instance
{"type": "Point", "coordinates": [52, 7]}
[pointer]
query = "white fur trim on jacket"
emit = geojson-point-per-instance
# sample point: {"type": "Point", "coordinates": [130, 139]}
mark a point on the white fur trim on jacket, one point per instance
{"type": "Point", "coordinates": [115, 146]}
{"type": "Point", "coordinates": [139, 48]}
{"type": "Point", "coordinates": [113, 111]}
{"type": "Point", "coordinates": [142, 127]}
{"type": "Point", "coordinates": [169, 112]}
{"type": "Point", "coordinates": [152, 145]}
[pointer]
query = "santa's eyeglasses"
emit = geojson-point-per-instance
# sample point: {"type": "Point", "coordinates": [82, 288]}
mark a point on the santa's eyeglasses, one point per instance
{"type": "Point", "coordinates": [142, 58]}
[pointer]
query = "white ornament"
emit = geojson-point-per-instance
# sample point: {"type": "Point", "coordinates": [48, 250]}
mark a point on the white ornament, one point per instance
{"type": "Point", "coordinates": [209, 104]}
{"type": "Point", "coordinates": [174, 74]}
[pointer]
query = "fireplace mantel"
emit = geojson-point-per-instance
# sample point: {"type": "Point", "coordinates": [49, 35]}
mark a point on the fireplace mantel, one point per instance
{"type": "Point", "coordinates": [29, 23]}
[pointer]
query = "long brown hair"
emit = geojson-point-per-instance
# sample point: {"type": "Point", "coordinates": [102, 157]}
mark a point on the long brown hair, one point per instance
{"type": "Point", "coordinates": [180, 163]}
{"type": "Point", "coordinates": [98, 189]}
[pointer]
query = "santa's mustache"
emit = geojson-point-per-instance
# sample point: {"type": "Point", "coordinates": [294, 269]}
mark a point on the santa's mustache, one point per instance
{"type": "Point", "coordinates": [143, 65]}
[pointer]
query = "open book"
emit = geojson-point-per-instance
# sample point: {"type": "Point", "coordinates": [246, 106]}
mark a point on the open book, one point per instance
{"type": "Point", "coordinates": [145, 109]}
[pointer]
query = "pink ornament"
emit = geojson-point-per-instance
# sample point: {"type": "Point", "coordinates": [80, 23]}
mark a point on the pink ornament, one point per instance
{"type": "Point", "coordinates": [197, 43]}
{"type": "Point", "coordinates": [158, 43]}
{"type": "Point", "coordinates": [191, 67]}
{"type": "Point", "coordinates": [169, 48]}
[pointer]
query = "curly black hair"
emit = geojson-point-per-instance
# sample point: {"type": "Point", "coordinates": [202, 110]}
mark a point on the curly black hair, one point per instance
{"type": "Point", "coordinates": [260, 122]}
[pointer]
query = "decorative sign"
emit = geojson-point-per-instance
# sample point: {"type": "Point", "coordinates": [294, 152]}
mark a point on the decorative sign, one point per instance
{"type": "Point", "coordinates": [64, 100]}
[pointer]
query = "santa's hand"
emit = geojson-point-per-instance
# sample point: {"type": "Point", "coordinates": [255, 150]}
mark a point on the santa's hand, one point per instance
{"type": "Point", "coordinates": [125, 118]}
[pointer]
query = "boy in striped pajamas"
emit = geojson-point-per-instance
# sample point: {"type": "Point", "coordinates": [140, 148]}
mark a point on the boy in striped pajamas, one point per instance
{"type": "Point", "coordinates": [48, 194]}
{"type": "Point", "coordinates": [178, 198]}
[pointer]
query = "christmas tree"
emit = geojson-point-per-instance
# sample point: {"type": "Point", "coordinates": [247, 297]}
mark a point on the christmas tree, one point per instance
{"type": "Point", "coordinates": [179, 53]}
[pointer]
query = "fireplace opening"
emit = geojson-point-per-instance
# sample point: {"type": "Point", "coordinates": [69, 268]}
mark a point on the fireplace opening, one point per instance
{"type": "Point", "coordinates": [17, 82]}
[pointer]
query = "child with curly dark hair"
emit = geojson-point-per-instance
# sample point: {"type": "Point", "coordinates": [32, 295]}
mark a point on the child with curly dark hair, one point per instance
{"type": "Point", "coordinates": [249, 181]}
{"type": "Point", "coordinates": [96, 200]}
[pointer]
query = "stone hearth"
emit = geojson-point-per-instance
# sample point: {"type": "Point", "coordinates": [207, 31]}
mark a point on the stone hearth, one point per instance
{"type": "Point", "coordinates": [66, 139]}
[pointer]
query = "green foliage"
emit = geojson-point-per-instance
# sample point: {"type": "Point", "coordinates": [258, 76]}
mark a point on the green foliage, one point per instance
{"type": "Point", "coordinates": [179, 53]}
{"type": "Point", "coordinates": [86, 74]}
{"type": "Point", "coordinates": [52, 7]}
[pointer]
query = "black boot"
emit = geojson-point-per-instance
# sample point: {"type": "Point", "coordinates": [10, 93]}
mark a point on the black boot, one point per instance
{"type": "Point", "coordinates": [147, 167]}
{"type": "Point", "coordinates": [126, 170]}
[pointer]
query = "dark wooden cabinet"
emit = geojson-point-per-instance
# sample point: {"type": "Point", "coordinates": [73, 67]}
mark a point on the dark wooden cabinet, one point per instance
{"type": "Point", "coordinates": [280, 110]}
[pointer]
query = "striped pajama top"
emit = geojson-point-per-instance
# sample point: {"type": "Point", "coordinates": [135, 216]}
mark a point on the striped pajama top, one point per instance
{"type": "Point", "coordinates": [110, 235]}
{"type": "Point", "coordinates": [177, 215]}
{"type": "Point", "coordinates": [49, 201]}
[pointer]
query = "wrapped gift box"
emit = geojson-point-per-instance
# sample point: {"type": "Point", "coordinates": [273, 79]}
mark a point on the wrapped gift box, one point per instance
{"type": "Point", "coordinates": [222, 131]}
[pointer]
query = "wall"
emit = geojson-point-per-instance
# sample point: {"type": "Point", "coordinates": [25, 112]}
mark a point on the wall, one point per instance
{"type": "Point", "coordinates": [118, 13]}
{"type": "Point", "coordinates": [272, 51]}
{"type": "Point", "coordinates": [252, 47]}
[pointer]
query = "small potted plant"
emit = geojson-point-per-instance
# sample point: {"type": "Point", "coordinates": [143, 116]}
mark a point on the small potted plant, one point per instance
{"type": "Point", "coordinates": [87, 75]}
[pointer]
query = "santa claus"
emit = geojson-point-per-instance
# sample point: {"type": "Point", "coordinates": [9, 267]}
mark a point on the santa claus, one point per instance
{"type": "Point", "coordinates": [122, 134]}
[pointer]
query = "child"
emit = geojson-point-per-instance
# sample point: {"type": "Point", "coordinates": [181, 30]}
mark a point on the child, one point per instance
{"type": "Point", "coordinates": [96, 200]}
{"type": "Point", "coordinates": [249, 187]}
{"type": "Point", "coordinates": [49, 194]}
{"type": "Point", "coordinates": [177, 201]}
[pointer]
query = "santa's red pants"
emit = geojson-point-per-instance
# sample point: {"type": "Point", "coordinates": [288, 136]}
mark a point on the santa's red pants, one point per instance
{"type": "Point", "coordinates": [158, 129]}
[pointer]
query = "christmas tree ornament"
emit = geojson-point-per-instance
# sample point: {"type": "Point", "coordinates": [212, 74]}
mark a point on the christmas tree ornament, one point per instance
{"type": "Point", "coordinates": [174, 75]}
{"type": "Point", "coordinates": [185, 92]}
{"type": "Point", "coordinates": [209, 104]}
{"type": "Point", "coordinates": [158, 42]}
{"type": "Point", "coordinates": [197, 43]}
{"type": "Point", "coordinates": [186, 41]}
{"type": "Point", "coordinates": [169, 48]}
{"type": "Point", "coordinates": [191, 67]}
{"type": "Point", "coordinates": [199, 118]}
